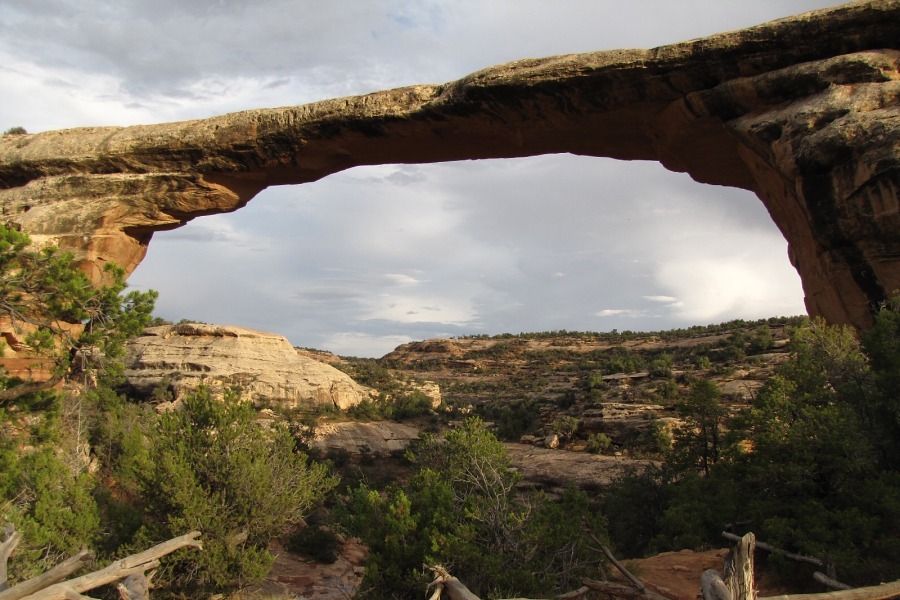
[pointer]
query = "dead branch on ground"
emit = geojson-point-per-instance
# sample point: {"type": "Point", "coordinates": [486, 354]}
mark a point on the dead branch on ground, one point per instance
{"type": "Point", "coordinates": [132, 571]}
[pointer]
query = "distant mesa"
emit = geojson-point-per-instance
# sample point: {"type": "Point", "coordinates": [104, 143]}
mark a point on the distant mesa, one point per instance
{"type": "Point", "coordinates": [802, 111]}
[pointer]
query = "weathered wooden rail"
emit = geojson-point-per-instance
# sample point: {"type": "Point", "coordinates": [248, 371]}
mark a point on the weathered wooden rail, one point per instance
{"type": "Point", "coordinates": [132, 572]}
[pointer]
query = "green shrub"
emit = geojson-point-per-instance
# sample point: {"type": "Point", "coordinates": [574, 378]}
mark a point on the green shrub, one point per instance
{"type": "Point", "coordinates": [410, 405]}
{"type": "Point", "coordinates": [52, 506]}
{"type": "Point", "coordinates": [598, 443]}
{"type": "Point", "coordinates": [461, 509]}
{"type": "Point", "coordinates": [662, 366]}
{"type": "Point", "coordinates": [656, 440]}
{"type": "Point", "coordinates": [216, 470]}
{"type": "Point", "coordinates": [565, 426]}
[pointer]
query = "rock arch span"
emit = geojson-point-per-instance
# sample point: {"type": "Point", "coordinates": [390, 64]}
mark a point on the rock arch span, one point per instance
{"type": "Point", "coordinates": [804, 112]}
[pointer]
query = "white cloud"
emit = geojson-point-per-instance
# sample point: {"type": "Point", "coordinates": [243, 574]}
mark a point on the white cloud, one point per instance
{"type": "Point", "coordinates": [666, 299]}
{"type": "Point", "coordinates": [618, 312]}
{"type": "Point", "coordinates": [400, 279]}
{"type": "Point", "coordinates": [732, 284]}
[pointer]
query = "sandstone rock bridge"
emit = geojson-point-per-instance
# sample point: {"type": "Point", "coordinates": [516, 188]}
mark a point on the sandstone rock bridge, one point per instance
{"type": "Point", "coordinates": [804, 111]}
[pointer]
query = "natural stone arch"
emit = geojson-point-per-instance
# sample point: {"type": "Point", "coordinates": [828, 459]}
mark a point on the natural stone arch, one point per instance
{"type": "Point", "coordinates": [802, 111]}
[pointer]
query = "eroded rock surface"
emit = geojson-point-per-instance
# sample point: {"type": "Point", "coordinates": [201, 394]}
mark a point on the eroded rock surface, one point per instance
{"type": "Point", "coordinates": [263, 366]}
{"type": "Point", "coordinates": [377, 437]}
{"type": "Point", "coordinates": [802, 111]}
{"type": "Point", "coordinates": [557, 469]}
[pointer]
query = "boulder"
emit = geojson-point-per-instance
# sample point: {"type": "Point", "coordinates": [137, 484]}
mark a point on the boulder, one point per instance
{"type": "Point", "coordinates": [262, 366]}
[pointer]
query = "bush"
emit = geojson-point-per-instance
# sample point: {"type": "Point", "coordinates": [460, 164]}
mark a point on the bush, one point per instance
{"type": "Point", "coordinates": [565, 426]}
{"type": "Point", "coordinates": [51, 505]}
{"type": "Point", "coordinates": [656, 440]}
{"type": "Point", "coordinates": [413, 404]}
{"type": "Point", "coordinates": [662, 366]}
{"type": "Point", "coordinates": [461, 509]}
{"type": "Point", "coordinates": [598, 443]}
{"type": "Point", "coordinates": [216, 470]}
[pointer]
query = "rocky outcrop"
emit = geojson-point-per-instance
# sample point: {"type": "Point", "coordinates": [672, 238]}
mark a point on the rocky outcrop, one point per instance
{"type": "Point", "coordinates": [557, 469]}
{"type": "Point", "coordinates": [262, 366]}
{"type": "Point", "coordinates": [802, 111]}
{"type": "Point", "coordinates": [377, 438]}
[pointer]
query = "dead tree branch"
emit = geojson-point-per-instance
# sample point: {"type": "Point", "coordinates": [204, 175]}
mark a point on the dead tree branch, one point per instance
{"type": "Point", "coordinates": [445, 582]}
{"type": "Point", "coordinates": [11, 539]}
{"type": "Point", "coordinates": [59, 573]}
{"type": "Point", "coordinates": [134, 567]}
{"type": "Point", "coordinates": [609, 555]}
{"type": "Point", "coordinates": [829, 582]}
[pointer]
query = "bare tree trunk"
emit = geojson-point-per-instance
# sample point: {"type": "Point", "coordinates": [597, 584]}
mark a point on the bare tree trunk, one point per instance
{"type": "Point", "coordinates": [739, 576]}
{"type": "Point", "coordinates": [738, 583]}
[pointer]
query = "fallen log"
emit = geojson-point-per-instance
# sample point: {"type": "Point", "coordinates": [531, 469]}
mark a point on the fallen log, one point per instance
{"type": "Point", "coordinates": [52, 585]}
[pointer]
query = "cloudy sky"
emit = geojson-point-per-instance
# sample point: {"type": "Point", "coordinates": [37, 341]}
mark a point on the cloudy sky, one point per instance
{"type": "Point", "coordinates": [373, 257]}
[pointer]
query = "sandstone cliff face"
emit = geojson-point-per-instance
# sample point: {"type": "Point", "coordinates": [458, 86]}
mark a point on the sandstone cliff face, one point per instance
{"type": "Point", "coordinates": [802, 111]}
{"type": "Point", "coordinates": [263, 366]}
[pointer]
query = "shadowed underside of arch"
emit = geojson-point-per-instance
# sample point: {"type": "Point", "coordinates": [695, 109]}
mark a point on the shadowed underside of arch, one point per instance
{"type": "Point", "coordinates": [804, 111]}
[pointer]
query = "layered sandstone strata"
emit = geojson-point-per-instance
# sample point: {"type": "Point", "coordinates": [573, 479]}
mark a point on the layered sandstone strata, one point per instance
{"type": "Point", "coordinates": [262, 367]}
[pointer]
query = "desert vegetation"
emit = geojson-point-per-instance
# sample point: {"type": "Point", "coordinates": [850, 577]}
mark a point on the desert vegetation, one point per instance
{"type": "Point", "coordinates": [786, 427]}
